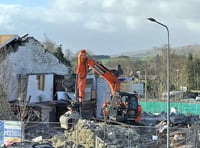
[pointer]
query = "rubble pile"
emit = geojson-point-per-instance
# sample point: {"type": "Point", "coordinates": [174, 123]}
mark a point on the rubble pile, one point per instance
{"type": "Point", "coordinates": [176, 119]}
{"type": "Point", "coordinates": [184, 129]}
{"type": "Point", "coordinates": [93, 134]}
{"type": "Point", "coordinates": [41, 129]}
{"type": "Point", "coordinates": [84, 133]}
{"type": "Point", "coordinates": [89, 134]}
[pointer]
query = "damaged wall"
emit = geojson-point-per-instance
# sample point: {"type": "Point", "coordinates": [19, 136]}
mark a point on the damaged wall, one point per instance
{"type": "Point", "coordinates": [40, 91]}
{"type": "Point", "coordinates": [29, 57]}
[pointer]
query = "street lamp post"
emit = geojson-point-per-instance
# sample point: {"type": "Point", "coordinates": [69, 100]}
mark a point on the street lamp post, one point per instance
{"type": "Point", "coordinates": [145, 91]}
{"type": "Point", "coordinates": [145, 95]}
{"type": "Point", "coordinates": [177, 84]}
{"type": "Point", "coordinates": [168, 81]}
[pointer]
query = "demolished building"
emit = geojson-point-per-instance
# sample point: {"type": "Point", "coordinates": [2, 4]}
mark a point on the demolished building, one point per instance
{"type": "Point", "coordinates": [32, 75]}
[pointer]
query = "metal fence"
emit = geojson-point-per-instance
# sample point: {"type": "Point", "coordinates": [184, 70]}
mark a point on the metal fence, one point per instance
{"type": "Point", "coordinates": [103, 135]}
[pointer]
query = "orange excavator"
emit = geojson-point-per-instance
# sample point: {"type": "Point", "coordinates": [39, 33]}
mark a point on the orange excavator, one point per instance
{"type": "Point", "coordinates": [121, 106]}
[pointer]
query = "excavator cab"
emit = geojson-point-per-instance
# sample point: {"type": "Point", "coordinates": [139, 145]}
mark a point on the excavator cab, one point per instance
{"type": "Point", "coordinates": [124, 108]}
{"type": "Point", "coordinates": [132, 107]}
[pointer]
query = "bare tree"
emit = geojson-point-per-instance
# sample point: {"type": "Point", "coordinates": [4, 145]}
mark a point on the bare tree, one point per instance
{"type": "Point", "coordinates": [8, 80]}
{"type": "Point", "coordinates": [49, 45]}
{"type": "Point", "coordinates": [13, 102]}
{"type": "Point", "coordinates": [5, 109]}
{"type": "Point", "coordinates": [68, 54]}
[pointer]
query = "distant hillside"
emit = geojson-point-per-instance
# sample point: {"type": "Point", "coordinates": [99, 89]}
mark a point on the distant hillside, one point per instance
{"type": "Point", "coordinates": [100, 57]}
{"type": "Point", "coordinates": [136, 53]}
{"type": "Point", "coordinates": [183, 50]}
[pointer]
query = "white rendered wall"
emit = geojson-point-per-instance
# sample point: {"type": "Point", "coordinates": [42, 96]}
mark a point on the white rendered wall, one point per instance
{"type": "Point", "coordinates": [35, 93]}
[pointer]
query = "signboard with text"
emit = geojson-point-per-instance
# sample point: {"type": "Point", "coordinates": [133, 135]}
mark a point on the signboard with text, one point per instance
{"type": "Point", "coordinates": [10, 132]}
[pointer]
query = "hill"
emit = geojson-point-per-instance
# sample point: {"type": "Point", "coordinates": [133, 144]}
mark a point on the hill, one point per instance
{"type": "Point", "coordinates": [183, 50]}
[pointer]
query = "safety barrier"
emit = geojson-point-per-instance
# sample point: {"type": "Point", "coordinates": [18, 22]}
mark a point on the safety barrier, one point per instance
{"type": "Point", "coordinates": [157, 107]}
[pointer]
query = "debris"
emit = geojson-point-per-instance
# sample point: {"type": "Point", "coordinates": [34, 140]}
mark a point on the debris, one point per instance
{"type": "Point", "coordinates": [37, 139]}
{"type": "Point", "coordinates": [93, 134]}
{"type": "Point", "coordinates": [69, 119]}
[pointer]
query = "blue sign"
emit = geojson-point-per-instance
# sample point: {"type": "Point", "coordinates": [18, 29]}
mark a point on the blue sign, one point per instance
{"type": "Point", "coordinates": [1, 133]}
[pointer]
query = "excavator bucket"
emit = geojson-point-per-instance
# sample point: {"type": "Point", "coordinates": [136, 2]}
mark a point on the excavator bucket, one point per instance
{"type": "Point", "coordinates": [69, 119]}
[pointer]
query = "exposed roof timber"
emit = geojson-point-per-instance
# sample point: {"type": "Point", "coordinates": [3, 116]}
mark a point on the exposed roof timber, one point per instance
{"type": "Point", "coordinates": [12, 38]}
{"type": "Point", "coordinates": [24, 36]}
{"type": "Point", "coordinates": [6, 39]}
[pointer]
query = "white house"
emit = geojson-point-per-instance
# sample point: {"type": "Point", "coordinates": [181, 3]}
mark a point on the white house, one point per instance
{"type": "Point", "coordinates": [29, 71]}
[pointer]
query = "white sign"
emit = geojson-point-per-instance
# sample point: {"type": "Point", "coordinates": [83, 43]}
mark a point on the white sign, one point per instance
{"type": "Point", "coordinates": [12, 132]}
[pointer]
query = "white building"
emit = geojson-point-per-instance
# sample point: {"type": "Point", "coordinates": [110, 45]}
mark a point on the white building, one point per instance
{"type": "Point", "coordinates": [30, 72]}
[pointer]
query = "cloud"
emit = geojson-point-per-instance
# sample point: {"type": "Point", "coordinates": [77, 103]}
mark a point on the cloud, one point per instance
{"type": "Point", "coordinates": [193, 26]}
{"type": "Point", "coordinates": [103, 23]}
{"type": "Point", "coordinates": [99, 15]}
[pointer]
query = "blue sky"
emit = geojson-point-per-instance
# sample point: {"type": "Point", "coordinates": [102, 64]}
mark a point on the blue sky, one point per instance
{"type": "Point", "coordinates": [29, 3]}
{"type": "Point", "coordinates": [103, 26]}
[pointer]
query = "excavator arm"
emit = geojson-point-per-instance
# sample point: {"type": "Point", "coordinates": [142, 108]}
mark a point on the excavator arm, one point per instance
{"type": "Point", "coordinates": [85, 62]}
{"type": "Point", "coordinates": [113, 108]}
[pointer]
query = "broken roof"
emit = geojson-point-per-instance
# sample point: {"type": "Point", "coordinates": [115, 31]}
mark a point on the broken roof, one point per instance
{"type": "Point", "coordinates": [6, 39]}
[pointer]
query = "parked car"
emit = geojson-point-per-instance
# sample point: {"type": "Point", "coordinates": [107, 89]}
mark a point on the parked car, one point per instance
{"type": "Point", "coordinates": [192, 95]}
{"type": "Point", "coordinates": [197, 98]}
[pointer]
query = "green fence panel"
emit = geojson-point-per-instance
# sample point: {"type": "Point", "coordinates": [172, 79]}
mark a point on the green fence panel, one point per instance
{"type": "Point", "coordinates": [157, 107]}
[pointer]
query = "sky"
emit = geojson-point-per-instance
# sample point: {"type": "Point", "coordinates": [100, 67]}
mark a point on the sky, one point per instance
{"type": "Point", "coordinates": [104, 27]}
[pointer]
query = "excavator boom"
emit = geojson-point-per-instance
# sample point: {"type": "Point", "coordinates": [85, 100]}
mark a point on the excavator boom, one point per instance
{"type": "Point", "coordinates": [85, 61]}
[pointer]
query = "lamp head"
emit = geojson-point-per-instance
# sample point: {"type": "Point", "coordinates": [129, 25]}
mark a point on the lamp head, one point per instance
{"type": "Point", "coordinates": [151, 19]}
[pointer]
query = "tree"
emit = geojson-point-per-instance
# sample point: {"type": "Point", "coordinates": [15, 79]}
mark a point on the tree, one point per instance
{"type": "Point", "coordinates": [190, 71]}
{"type": "Point", "coordinates": [178, 71]}
{"type": "Point", "coordinates": [197, 73]}
{"type": "Point", "coordinates": [59, 54]}
{"type": "Point", "coordinates": [57, 51]}
{"type": "Point", "coordinates": [68, 54]}
{"type": "Point", "coordinates": [5, 110]}
{"type": "Point", "coordinates": [157, 72]}
{"type": "Point", "coordinates": [13, 110]}
{"type": "Point", "coordinates": [193, 72]}
{"type": "Point", "coordinates": [49, 45]}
